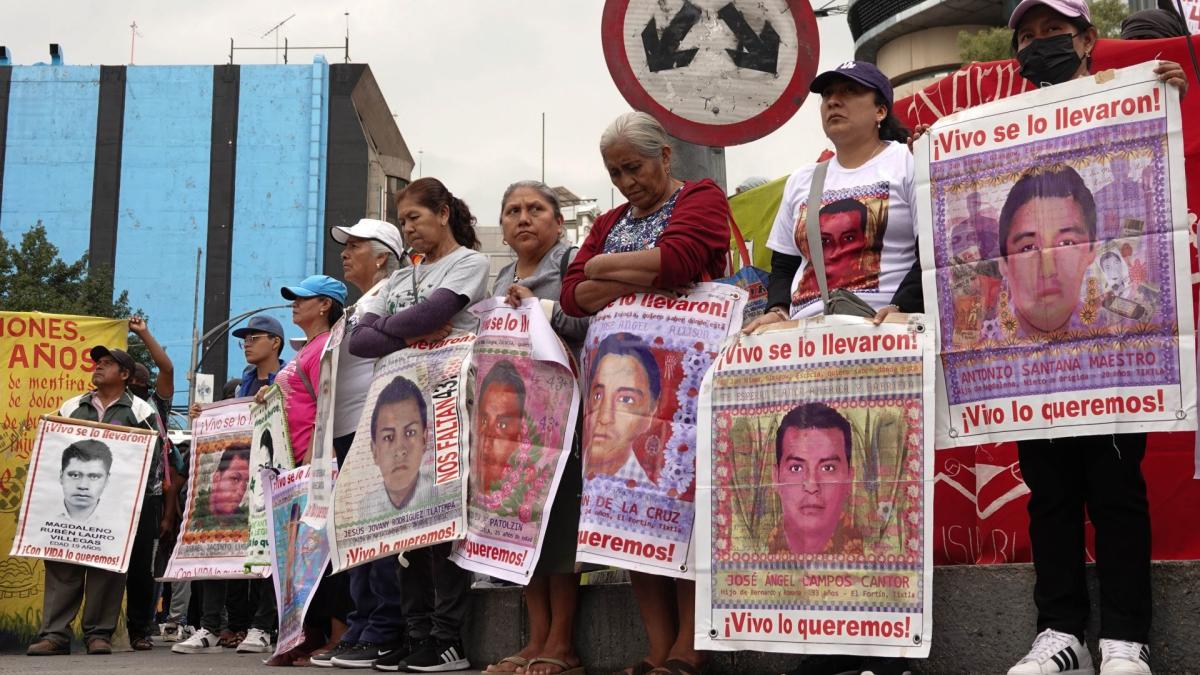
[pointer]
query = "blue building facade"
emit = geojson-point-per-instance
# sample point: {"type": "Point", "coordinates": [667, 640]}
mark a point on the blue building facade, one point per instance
{"type": "Point", "coordinates": [141, 166]}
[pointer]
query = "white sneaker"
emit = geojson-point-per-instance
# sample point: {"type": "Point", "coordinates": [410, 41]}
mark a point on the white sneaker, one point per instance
{"type": "Point", "coordinates": [201, 642]}
{"type": "Point", "coordinates": [1119, 657]}
{"type": "Point", "coordinates": [1055, 653]}
{"type": "Point", "coordinates": [171, 632]}
{"type": "Point", "coordinates": [257, 642]}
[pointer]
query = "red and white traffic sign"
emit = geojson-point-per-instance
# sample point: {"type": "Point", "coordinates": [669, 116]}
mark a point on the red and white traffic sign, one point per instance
{"type": "Point", "coordinates": [714, 72]}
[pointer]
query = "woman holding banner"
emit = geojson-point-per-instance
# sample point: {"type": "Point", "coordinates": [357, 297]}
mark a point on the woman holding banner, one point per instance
{"type": "Point", "coordinates": [1053, 41]}
{"type": "Point", "coordinates": [865, 215]}
{"type": "Point", "coordinates": [425, 301]}
{"type": "Point", "coordinates": [532, 221]}
{"type": "Point", "coordinates": [669, 235]}
{"type": "Point", "coordinates": [371, 253]}
{"type": "Point", "coordinates": [317, 304]}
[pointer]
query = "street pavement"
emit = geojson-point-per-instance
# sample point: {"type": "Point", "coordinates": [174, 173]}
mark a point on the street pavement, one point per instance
{"type": "Point", "coordinates": [159, 661]}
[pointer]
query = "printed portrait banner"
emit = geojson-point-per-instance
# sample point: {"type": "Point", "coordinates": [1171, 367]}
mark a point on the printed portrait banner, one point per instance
{"type": "Point", "coordinates": [299, 553]}
{"type": "Point", "coordinates": [324, 459]}
{"type": "Point", "coordinates": [1054, 239]}
{"type": "Point", "coordinates": [643, 362]}
{"type": "Point", "coordinates": [214, 536]}
{"type": "Point", "coordinates": [402, 486]}
{"type": "Point", "coordinates": [46, 360]}
{"type": "Point", "coordinates": [526, 402]}
{"type": "Point", "coordinates": [271, 447]}
{"type": "Point", "coordinates": [815, 491]}
{"type": "Point", "coordinates": [84, 493]}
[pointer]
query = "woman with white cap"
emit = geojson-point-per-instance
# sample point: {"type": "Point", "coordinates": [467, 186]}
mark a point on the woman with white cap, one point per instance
{"type": "Point", "coordinates": [372, 251]}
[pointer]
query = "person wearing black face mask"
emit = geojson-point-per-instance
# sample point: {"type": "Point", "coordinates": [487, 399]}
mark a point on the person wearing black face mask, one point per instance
{"type": "Point", "coordinates": [1054, 41]}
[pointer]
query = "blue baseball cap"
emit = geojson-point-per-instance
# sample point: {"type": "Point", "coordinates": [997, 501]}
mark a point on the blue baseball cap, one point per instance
{"type": "Point", "coordinates": [317, 284]}
{"type": "Point", "coordinates": [260, 323]}
{"type": "Point", "coordinates": [861, 72]}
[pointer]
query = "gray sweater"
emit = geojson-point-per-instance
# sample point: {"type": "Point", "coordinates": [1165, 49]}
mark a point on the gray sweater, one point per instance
{"type": "Point", "coordinates": [546, 284]}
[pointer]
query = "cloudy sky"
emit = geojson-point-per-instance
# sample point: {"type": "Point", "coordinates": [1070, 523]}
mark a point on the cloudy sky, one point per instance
{"type": "Point", "coordinates": [468, 80]}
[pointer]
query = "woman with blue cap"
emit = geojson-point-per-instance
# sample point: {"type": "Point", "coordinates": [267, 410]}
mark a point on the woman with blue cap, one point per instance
{"type": "Point", "coordinates": [316, 305]}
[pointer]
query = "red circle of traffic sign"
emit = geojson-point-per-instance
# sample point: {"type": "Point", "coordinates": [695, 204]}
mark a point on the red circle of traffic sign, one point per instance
{"type": "Point", "coordinates": [774, 116]}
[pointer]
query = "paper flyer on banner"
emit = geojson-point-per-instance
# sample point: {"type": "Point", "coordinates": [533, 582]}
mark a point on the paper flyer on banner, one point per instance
{"type": "Point", "coordinates": [271, 447]}
{"type": "Point", "coordinates": [815, 497]}
{"type": "Point", "coordinates": [324, 459]}
{"type": "Point", "coordinates": [84, 493]}
{"type": "Point", "coordinates": [214, 535]}
{"type": "Point", "coordinates": [643, 361]}
{"type": "Point", "coordinates": [299, 553]}
{"type": "Point", "coordinates": [402, 486]}
{"type": "Point", "coordinates": [1054, 244]}
{"type": "Point", "coordinates": [526, 402]}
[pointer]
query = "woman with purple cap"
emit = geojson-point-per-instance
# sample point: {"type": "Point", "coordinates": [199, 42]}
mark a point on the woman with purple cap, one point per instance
{"type": "Point", "coordinates": [864, 197]}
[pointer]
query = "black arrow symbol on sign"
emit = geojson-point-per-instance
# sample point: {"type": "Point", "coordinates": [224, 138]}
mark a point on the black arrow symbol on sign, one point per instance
{"type": "Point", "coordinates": [663, 53]}
{"type": "Point", "coordinates": [754, 51]}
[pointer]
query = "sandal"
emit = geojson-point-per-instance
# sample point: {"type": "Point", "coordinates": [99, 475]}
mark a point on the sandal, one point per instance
{"type": "Point", "coordinates": [564, 667]}
{"type": "Point", "coordinates": [141, 644]}
{"type": "Point", "coordinates": [642, 668]}
{"type": "Point", "coordinates": [518, 661]}
{"type": "Point", "coordinates": [681, 667]}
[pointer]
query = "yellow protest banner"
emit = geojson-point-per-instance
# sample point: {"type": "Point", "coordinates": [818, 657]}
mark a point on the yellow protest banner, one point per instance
{"type": "Point", "coordinates": [45, 361]}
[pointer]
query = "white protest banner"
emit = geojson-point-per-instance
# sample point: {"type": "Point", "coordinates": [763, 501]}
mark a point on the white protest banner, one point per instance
{"type": "Point", "coordinates": [815, 498]}
{"type": "Point", "coordinates": [1054, 243]}
{"type": "Point", "coordinates": [643, 362]}
{"type": "Point", "coordinates": [526, 402]}
{"type": "Point", "coordinates": [1191, 14]}
{"type": "Point", "coordinates": [214, 535]}
{"type": "Point", "coordinates": [402, 486]}
{"type": "Point", "coordinates": [324, 459]}
{"type": "Point", "coordinates": [299, 553]}
{"type": "Point", "coordinates": [84, 493]}
{"type": "Point", "coordinates": [271, 447]}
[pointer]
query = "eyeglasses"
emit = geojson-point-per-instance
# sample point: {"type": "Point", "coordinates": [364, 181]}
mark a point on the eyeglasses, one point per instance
{"type": "Point", "coordinates": [250, 339]}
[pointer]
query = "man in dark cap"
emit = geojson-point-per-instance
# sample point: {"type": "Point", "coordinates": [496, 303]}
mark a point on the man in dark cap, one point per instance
{"type": "Point", "coordinates": [67, 583]}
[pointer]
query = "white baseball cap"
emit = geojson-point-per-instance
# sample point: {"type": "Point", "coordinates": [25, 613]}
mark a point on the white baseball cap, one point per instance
{"type": "Point", "coordinates": [369, 228]}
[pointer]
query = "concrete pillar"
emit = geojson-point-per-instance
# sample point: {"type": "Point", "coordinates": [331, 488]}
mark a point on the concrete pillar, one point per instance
{"type": "Point", "coordinates": [690, 161]}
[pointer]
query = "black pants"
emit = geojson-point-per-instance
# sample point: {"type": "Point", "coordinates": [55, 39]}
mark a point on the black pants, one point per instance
{"type": "Point", "coordinates": [216, 592]}
{"type": "Point", "coordinates": [139, 581]}
{"type": "Point", "coordinates": [434, 594]}
{"type": "Point", "coordinates": [1104, 474]}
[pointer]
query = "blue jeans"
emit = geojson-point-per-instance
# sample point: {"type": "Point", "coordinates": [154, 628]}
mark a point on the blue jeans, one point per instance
{"type": "Point", "coordinates": [377, 615]}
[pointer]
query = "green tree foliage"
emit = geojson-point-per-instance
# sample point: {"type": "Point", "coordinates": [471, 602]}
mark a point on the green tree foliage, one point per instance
{"type": "Point", "coordinates": [995, 44]}
{"type": "Point", "coordinates": [34, 279]}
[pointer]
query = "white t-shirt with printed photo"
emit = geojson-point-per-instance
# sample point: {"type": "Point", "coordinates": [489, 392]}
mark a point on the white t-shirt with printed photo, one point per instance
{"type": "Point", "coordinates": [868, 232]}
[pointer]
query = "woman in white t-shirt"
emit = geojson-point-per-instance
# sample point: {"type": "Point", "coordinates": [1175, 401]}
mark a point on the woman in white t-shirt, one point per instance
{"type": "Point", "coordinates": [425, 301]}
{"type": "Point", "coordinates": [868, 233]}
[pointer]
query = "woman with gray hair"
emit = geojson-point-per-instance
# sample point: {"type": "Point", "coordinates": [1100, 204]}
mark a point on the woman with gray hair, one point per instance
{"type": "Point", "coordinates": [669, 235]}
{"type": "Point", "coordinates": [532, 220]}
{"type": "Point", "coordinates": [372, 251]}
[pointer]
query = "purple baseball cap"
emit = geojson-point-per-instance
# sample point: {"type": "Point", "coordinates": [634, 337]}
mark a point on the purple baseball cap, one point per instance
{"type": "Point", "coordinates": [861, 72]}
{"type": "Point", "coordinates": [1071, 9]}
